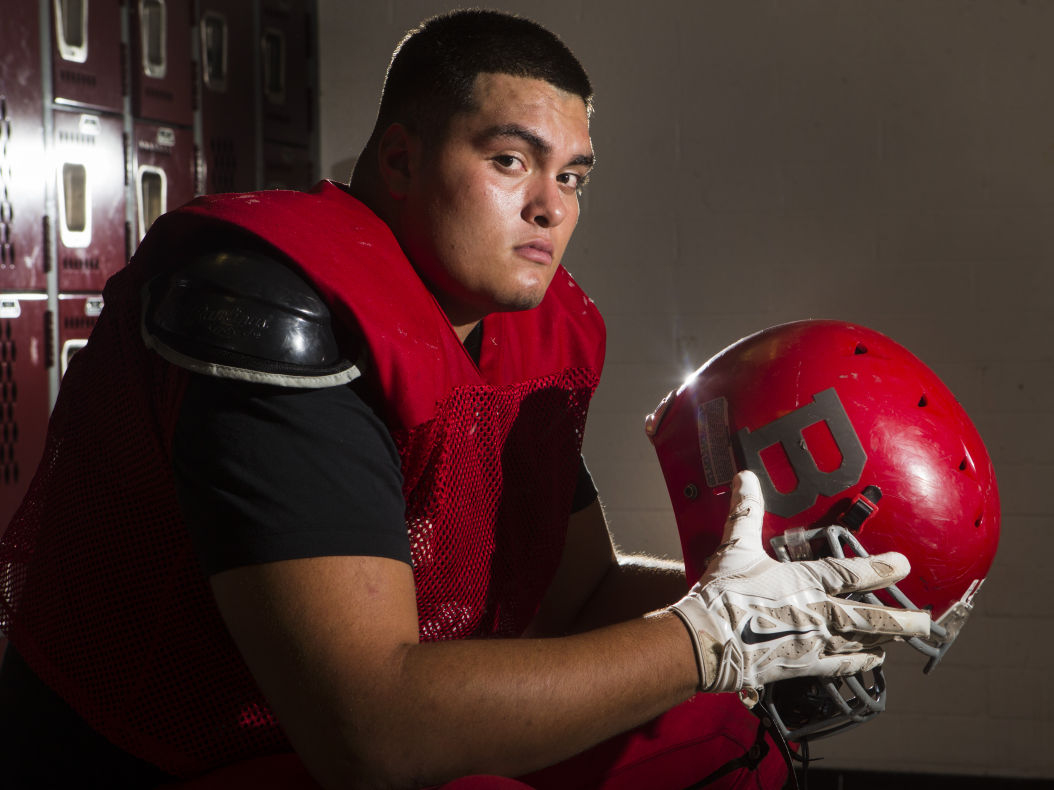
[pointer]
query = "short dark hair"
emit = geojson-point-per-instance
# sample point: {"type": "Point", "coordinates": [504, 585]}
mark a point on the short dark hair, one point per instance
{"type": "Point", "coordinates": [433, 70]}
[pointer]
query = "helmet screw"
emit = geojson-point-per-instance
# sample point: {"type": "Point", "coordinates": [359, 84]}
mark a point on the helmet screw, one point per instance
{"type": "Point", "coordinates": [691, 491]}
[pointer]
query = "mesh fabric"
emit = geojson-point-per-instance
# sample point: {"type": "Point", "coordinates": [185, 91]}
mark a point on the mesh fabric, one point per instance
{"type": "Point", "coordinates": [488, 484]}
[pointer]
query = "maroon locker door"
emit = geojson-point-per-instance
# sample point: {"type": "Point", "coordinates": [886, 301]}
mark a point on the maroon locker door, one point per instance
{"type": "Point", "coordinates": [90, 174]}
{"type": "Point", "coordinates": [21, 151]}
{"type": "Point", "coordinates": [164, 171]}
{"type": "Point", "coordinates": [78, 314]}
{"type": "Point", "coordinates": [24, 398]}
{"type": "Point", "coordinates": [287, 167]}
{"type": "Point", "coordinates": [162, 72]}
{"type": "Point", "coordinates": [225, 32]}
{"type": "Point", "coordinates": [285, 56]}
{"type": "Point", "coordinates": [86, 53]}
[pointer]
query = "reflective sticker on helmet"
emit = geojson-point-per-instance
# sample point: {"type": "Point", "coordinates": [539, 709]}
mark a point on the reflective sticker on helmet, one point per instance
{"type": "Point", "coordinates": [715, 442]}
{"type": "Point", "coordinates": [788, 432]}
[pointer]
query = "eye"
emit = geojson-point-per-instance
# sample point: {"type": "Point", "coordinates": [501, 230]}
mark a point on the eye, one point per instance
{"type": "Point", "coordinates": [573, 180]}
{"type": "Point", "coordinates": [507, 161]}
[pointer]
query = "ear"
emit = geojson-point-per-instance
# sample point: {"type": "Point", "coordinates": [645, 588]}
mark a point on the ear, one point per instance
{"type": "Point", "coordinates": [397, 154]}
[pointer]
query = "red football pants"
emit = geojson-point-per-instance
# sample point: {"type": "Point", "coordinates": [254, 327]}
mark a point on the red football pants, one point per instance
{"type": "Point", "coordinates": [710, 736]}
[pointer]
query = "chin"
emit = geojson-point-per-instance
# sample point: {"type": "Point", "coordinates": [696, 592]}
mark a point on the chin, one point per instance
{"type": "Point", "coordinates": [525, 300]}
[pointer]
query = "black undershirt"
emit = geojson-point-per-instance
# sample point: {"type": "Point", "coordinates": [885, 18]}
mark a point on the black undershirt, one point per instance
{"type": "Point", "coordinates": [269, 473]}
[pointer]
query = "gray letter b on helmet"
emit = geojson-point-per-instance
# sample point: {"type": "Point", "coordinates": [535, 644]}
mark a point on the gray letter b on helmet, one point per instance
{"type": "Point", "coordinates": [812, 481]}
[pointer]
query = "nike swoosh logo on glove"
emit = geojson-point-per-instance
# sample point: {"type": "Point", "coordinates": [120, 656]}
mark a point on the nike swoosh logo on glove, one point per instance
{"type": "Point", "coordinates": [752, 637]}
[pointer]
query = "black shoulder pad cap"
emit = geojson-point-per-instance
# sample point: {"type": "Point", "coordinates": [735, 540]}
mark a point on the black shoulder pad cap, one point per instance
{"type": "Point", "coordinates": [244, 315]}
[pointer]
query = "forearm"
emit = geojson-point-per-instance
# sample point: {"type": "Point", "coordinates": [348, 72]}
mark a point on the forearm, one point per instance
{"type": "Point", "coordinates": [595, 585]}
{"type": "Point", "coordinates": [632, 586]}
{"type": "Point", "coordinates": [509, 706]}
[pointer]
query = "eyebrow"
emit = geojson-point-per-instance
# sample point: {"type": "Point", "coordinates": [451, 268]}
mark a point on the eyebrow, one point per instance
{"type": "Point", "coordinates": [533, 140]}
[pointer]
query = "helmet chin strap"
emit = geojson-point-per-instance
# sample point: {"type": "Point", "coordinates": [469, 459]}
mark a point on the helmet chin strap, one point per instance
{"type": "Point", "coordinates": [756, 754]}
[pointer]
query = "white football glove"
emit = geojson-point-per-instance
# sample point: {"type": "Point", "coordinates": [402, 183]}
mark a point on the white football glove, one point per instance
{"type": "Point", "coordinates": [754, 620]}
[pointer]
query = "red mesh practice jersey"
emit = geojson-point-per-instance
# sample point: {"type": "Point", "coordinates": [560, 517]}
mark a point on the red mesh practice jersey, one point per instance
{"type": "Point", "coordinates": [99, 585]}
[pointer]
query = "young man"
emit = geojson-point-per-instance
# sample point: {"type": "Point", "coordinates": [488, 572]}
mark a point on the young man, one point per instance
{"type": "Point", "coordinates": [268, 533]}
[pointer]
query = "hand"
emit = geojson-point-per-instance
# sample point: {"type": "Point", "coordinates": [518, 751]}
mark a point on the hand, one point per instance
{"type": "Point", "coordinates": [754, 620]}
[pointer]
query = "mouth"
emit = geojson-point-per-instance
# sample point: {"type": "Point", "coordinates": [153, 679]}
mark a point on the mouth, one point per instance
{"type": "Point", "coordinates": [537, 250]}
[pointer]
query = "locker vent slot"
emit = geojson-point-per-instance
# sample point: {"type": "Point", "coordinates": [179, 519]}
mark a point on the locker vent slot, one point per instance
{"type": "Point", "coordinates": [7, 209]}
{"type": "Point", "coordinates": [9, 471]}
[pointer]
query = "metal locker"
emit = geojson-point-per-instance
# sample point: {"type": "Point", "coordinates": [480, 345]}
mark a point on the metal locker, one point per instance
{"type": "Point", "coordinates": [86, 53]}
{"type": "Point", "coordinates": [78, 314]}
{"type": "Point", "coordinates": [24, 399]}
{"type": "Point", "coordinates": [21, 151]}
{"type": "Point", "coordinates": [162, 72]}
{"type": "Point", "coordinates": [287, 167]}
{"type": "Point", "coordinates": [90, 187]}
{"type": "Point", "coordinates": [285, 61]}
{"type": "Point", "coordinates": [227, 90]}
{"type": "Point", "coordinates": [164, 171]}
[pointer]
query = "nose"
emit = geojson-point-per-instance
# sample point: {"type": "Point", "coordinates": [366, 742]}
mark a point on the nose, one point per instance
{"type": "Point", "coordinates": [545, 205]}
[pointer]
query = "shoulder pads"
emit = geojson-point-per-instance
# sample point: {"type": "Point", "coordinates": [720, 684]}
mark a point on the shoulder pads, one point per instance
{"type": "Point", "coordinates": [244, 315]}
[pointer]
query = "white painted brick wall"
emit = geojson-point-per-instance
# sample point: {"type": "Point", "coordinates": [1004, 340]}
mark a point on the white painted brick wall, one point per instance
{"type": "Point", "coordinates": [886, 162]}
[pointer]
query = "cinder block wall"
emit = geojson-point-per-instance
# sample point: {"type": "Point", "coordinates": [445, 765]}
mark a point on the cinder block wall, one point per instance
{"type": "Point", "coordinates": [885, 162]}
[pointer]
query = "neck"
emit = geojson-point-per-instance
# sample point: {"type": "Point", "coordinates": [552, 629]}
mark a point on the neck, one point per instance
{"type": "Point", "coordinates": [367, 186]}
{"type": "Point", "coordinates": [464, 330]}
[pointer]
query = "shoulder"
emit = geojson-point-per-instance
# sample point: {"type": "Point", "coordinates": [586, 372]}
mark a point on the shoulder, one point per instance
{"type": "Point", "coordinates": [244, 313]}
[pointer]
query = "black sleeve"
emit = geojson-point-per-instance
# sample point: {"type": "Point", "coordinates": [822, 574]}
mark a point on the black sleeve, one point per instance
{"type": "Point", "coordinates": [269, 473]}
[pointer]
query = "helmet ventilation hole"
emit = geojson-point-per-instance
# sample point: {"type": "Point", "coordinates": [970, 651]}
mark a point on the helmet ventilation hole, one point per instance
{"type": "Point", "coordinates": [923, 402]}
{"type": "Point", "coordinates": [860, 349]}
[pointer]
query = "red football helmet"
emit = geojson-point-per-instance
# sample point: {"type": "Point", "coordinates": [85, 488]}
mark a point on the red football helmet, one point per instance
{"type": "Point", "coordinates": [860, 449]}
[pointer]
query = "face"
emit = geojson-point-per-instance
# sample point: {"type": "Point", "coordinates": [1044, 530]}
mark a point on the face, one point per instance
{"type": "Point", "coordinates": [488, 212]}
